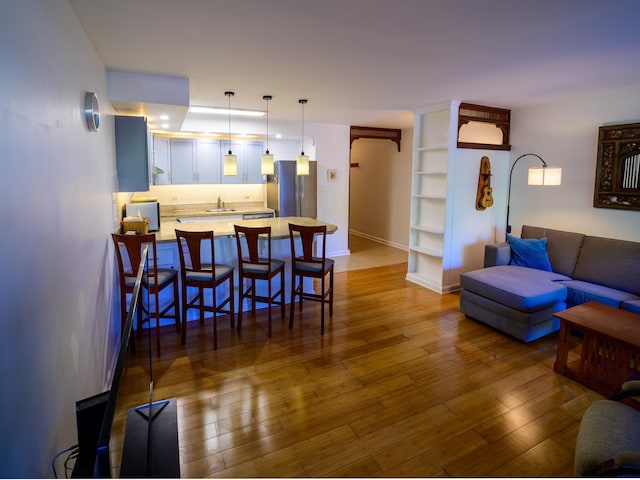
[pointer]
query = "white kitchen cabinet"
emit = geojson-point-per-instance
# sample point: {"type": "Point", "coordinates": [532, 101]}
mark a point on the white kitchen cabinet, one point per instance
{"type": "Point", "coordinates": [249, 155]}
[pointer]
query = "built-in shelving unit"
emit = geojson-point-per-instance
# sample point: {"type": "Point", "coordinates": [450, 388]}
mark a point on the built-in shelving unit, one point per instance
{"type": "Point", "coordinates": [447, 233]}
{"type": "Point", "coordinates": [434, 150]}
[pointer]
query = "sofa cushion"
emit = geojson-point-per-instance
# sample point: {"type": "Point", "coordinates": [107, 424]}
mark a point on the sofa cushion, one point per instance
{"type": "Point", "coordinates": [610, 262]}
{"type": "Point", "coordinates": [582, 292]}
{"type": "Point", "coordinates": [563, 247]}
{"type": "Point", "coordinates": [529, 252]}
{"type": "Point", "coordinates": [521, 288]}
{"type": "Point", "coordinates": [526, 326]}
{"type": "Point", "coordinates": [632, 306]}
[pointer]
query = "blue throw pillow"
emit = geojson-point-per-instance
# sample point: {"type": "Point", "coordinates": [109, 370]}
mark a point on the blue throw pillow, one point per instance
{"type": "Point", "coordinates": [529, 252]}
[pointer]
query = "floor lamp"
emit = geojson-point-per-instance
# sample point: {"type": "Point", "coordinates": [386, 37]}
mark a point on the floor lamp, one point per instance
{"type": "Point", "coordinates": [544, 175]}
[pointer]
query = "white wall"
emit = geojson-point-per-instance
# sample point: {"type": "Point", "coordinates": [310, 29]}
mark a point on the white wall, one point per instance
{"type": "Point", "coordinates": [565, 133]}
{"type": "Point", "coordinates": [332, 153]}
{"type": "Point", "coordinates": [472, 229]}
{"type": "Point", "coordinates": [57, 264]}
{"type": "Point", "coordinates": [380, 190]}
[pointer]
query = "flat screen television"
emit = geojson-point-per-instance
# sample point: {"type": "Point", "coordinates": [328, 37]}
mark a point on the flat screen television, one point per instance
{"type": "Point", "coordinates": [94, 415]}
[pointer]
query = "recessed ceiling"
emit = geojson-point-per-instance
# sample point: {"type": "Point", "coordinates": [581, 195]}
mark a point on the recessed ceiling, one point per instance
{"type": "Point", "coordinates": [369, 62]}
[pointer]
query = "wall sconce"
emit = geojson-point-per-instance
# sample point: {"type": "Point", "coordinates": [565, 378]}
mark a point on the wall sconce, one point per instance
{"type": "Point", "coordinates": [302, 162]}
{"type": "Point", "coordinates": [542, 176]}
{"type": "Point", "coordinates": [266, 161]}
{"type": "Point", "coordinates": [230, 162]}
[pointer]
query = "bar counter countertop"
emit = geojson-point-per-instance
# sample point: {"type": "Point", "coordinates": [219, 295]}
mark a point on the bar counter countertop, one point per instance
{"type": "Point", "coordinates": [224, 228]}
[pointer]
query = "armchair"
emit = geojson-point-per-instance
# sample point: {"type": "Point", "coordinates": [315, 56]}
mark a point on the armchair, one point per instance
{"type": "Point", "coordinates": [608, 442]}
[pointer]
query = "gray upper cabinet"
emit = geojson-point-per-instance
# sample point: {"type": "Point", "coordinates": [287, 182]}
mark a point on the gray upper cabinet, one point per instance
{"type": "Point", "coordinates": [208, 161]}
{"type": "Point", "coordinates": [161, 166]}
{"type": "Point", "coordinates": [190, 161]}
{"type": "Point", "coordinates": [132, 153]}
{"type": "Point", "coordinates": [248, 154]}
{"type": "Point", "coordinates": [183, 156]}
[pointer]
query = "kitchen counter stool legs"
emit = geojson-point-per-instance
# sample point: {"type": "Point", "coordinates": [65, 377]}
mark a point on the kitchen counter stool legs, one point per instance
{"type": "Point", "coordinates": [154, 281]}
{"type": "Point", "coordinates": [199, 270]}
{"type": "Point", "coordinates": [253, 267]}
{"type": "Point", "coordinates": [305, 264]}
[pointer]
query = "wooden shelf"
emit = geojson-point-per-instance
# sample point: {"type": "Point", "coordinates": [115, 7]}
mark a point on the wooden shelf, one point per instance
{"type": "Point", "coordinates": [426, 251]}
{"type": "Point", "coordinates": [428, 195]}
{"type": "Point", "coordinates": [434, 172]}
{"type": "Point", "coordinates": [427, 229]}
{"type": "Point", "coordinates": [439, 148]}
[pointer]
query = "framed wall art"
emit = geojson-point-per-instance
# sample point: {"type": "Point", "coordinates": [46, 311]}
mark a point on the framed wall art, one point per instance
{"type": "Point", "coordinates": [618, 167]}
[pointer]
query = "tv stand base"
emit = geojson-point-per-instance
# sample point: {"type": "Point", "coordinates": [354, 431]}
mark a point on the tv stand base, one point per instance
{"type": "Point", "coordinates": [151, 452]}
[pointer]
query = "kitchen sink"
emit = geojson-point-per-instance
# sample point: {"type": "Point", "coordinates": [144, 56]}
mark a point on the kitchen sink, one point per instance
{"type": "Point", "coordinates": [220, 210]}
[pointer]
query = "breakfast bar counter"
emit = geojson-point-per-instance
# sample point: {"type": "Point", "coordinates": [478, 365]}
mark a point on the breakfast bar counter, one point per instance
{"type": "Point", "coordinates": [224, 228]}
{"type": "Point", "coordinates": [226, 248]}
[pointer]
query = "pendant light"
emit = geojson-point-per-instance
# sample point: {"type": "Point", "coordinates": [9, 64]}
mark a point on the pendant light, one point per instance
{"type": "Point", "coordinates": [230, 164]}
{"type": "Point", "coordinates": [266, 162]}
{"type": "Point", "coordinates": [302, 162]}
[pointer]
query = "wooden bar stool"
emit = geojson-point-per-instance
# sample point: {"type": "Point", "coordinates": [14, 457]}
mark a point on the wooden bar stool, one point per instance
{"type": "Point", "coordinates": [305, 264]}
{"type": "Point", "coordinates": [199, 270]}
{"type": "Point", "coordinates": [253, 266]}
{"type": "Point", "coordinates": [128, 252]}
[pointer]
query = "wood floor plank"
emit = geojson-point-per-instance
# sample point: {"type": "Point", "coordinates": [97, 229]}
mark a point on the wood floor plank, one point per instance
{"type": "Point", "coordinates": [401, 385]}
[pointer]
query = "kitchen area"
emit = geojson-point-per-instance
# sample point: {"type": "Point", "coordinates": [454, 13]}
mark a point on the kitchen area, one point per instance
{"type": "Point", "coordinates": [188, 190]}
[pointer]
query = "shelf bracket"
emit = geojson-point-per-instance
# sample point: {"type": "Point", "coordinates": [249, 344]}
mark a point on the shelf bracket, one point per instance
{"type": "Point", "coordinates": [393, 134]}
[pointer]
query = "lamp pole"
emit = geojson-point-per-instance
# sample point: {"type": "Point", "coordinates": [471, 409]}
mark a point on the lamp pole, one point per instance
{"type": "Point", "coordinates": [544, 164]}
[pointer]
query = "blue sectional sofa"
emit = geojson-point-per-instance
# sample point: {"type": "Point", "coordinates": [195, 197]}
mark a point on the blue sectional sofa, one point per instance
{"type": "Point", "coordinates": [528, 279]}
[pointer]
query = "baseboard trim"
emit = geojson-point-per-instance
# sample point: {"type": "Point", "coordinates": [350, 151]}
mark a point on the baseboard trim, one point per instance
{"type": "Point", "coordinates": [379, 240]}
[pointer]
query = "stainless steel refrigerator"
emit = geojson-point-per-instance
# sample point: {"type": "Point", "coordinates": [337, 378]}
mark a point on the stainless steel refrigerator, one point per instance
{"type": "Point", "coordinates": [291, 195]}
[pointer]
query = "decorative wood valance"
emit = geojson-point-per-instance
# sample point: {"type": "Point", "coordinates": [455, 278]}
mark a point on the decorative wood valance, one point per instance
{"type": "Point", "coordinates": [618, 167]}
{"type": "Point", "coordinates": [469, 113]}
{"type": "Point", "coordinates": [393, 134]}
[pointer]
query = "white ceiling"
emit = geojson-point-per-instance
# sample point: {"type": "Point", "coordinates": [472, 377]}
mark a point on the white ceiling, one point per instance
{"type": "Point", "coordinates": [369, 62]}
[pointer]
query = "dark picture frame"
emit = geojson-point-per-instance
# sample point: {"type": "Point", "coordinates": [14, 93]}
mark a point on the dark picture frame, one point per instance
{"type": "Point", "coordinates": [617, 182]}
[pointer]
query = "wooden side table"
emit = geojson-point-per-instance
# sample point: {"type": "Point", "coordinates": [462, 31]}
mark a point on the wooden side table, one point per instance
{"type": "Point", "coordinates": [610, 346]}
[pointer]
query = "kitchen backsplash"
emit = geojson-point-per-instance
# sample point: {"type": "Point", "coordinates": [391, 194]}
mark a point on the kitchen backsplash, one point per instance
{"type": "Point", "coordinates": [183, 194]}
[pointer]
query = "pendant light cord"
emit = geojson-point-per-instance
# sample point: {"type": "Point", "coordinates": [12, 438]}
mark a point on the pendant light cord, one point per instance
{"type": "Point", "coordinates": [302, 101]}
{"type": "Point", "coordinates": [229, 95]}
{"type": "Point", "coordinates": [267, 98]}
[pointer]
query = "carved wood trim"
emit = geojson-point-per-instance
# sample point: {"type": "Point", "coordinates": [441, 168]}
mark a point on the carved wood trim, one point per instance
{"type": "Point", "coordinates": [618, 167]}
{"type": "Point", "coordinates": [393, 134]}
{"type": "Point", "coordinates": [500, 117]}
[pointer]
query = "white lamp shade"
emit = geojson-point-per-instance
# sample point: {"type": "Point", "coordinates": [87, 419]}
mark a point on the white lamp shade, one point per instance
{"type": "Point", "coordinates": [266, 164]}
{"type": "Point", "coordinates": [545, 176]}
{"type": "Point", "coordinates": [302, 165]}
{"type": "Point", "coordinates": [230, 165]}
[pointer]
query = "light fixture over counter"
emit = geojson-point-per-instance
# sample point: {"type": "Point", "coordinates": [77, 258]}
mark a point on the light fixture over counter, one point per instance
{"type": "Point", "coordinates": [230, 163]}
{"type": "Point", "coordinates": [302, 161]}
{"type": "Point", "coordinates": [266, 162]}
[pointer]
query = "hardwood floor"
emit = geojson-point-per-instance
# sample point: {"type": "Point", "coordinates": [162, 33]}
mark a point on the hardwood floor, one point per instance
{"type": "Point", "coordinates": [401, 385]}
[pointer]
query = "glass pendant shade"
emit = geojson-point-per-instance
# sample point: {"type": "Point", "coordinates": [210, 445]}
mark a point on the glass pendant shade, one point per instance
{"type": "Point", "coordinates": [230, 164]}
{"type": "Point", "coordinates": [545, 176]}
{"type": "Point", "coordinates": [266, 163]}
{"type": "Point", "coordinates": [302, 164]}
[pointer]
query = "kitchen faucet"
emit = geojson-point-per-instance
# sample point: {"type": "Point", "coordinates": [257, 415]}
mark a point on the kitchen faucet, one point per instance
{"type": "Point", "coordinates": [220, 202]}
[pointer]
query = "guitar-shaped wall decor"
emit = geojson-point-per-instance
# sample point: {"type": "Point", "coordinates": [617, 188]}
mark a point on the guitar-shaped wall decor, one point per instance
{"type": "Point", "coordinates": [484, 196]}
